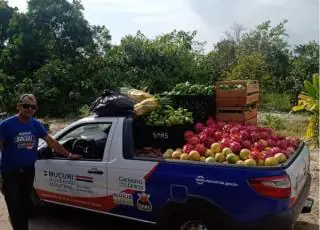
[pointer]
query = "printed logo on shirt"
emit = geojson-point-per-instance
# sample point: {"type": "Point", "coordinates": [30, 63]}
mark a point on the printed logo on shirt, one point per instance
{"type": "Point", "coordinates": [25, 140]}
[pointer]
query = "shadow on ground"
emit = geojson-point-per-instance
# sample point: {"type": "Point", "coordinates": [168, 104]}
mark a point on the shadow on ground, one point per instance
{"type": "Point", "coordinates": [63, 218]}
{"type": "Point", "coordinates": [301, 225]}
{"type": "Point", "coordinates": [54, 217]}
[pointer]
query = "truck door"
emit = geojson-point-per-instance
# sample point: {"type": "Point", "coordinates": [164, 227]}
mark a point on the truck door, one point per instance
{"type": "Point", "coordinates": [81, 183]}
{"type": "Point", "coordinates": [132, 195]}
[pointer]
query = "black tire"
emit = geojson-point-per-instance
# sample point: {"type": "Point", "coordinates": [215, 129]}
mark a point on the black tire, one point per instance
{"type": "Point", "coordinates": [196, 215]}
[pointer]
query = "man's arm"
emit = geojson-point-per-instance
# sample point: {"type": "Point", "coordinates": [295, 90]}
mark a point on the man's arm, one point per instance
{"type": "Point", "coordinates": [52, 143]}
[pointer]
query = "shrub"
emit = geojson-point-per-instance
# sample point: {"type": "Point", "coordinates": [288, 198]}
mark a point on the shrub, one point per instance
{"type": "Point", "coordinates": [275, 102]}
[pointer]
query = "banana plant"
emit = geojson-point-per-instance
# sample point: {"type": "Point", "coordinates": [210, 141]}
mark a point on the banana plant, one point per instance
{"type": "Point", "coordinates": [309, 101]}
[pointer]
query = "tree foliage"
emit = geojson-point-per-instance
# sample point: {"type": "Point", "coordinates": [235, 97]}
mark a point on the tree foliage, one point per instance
{"type": "Point", "coordinates": [54, 52]}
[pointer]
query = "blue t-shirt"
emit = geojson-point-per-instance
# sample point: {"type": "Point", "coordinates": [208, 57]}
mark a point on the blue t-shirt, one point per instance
{"type": "Point", "coordinates": [20, 142]}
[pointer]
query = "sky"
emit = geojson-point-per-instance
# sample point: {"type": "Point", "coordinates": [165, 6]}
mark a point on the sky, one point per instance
{"type": "Point", "coordinates": [211, 18]}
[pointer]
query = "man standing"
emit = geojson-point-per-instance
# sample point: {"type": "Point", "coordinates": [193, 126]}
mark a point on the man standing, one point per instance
{"type": "Point", "coordinates": [19, 138]}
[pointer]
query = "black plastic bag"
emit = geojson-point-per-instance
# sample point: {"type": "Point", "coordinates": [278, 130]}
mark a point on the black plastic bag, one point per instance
{"type": "Point", "coordinates": [112, 103]}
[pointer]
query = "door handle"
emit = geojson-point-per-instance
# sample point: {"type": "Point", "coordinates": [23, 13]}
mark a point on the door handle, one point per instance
{"type": "Point", "coordinates": [95, 172]}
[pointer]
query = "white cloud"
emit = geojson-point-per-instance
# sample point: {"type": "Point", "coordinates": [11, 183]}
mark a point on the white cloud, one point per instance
{"type": "Point", "coordinates": [302, 15]}
{"type": "Point", "coordinates": [271, 2]}
{"type": "Point", "coordinates": [150, 16]}
{"type": "Point", "coordinates": [21, 4]}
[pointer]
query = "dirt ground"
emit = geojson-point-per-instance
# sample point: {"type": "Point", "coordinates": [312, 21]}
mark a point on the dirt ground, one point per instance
{"type": "Point", "coordinates": [60, 218]}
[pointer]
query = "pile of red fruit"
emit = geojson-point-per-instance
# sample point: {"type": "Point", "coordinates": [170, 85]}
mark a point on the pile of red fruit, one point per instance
{"type": "Point", "coordinates": [261, 142]}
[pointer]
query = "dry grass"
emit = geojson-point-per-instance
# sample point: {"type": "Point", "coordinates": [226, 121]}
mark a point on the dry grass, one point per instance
{"type": "Point", "coordinates": [290, 125]}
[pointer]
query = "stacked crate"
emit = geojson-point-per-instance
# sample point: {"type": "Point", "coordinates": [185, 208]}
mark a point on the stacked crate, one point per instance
{"type": "Point", "coordinates": [237, 105]}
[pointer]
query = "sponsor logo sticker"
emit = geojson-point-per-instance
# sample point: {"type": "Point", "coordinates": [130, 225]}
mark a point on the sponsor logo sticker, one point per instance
{"type": "Point", "coordinates": [123, 198]}
{"type": "Point", "coordinates": [143, 202]}
{"type": "Point", "coordinates": [134, 184]}
{"type": "Point", "coordinates": [200, 180]}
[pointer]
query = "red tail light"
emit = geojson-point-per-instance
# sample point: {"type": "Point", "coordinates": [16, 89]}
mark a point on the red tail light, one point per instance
{"type": "Point", "coordinates": [278, 187]}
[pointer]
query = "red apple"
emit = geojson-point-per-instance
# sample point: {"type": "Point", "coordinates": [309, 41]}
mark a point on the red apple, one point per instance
{"type": "Point", "coordinates": [271, 143]}
{"type": "Point", "coordinates": [264, 135]}
{"type": "Point", "coordinates": [291, 150]}
{"type": "Point", "coordinates": [188, 134]}
{"type": "Point", "coordinates": [282, 144]}
{"type": "Point", "coordinates": [217, 135]}
{"type": "Point", "coordinates": [244, 135]}
{"type": "Point", "coordinates": [221, 124]}
{"type": "Point", "coordinates": [258, 146]}
{"type": "Point", "coordinates": [255, 136]}
{"type": "Point", "coordinates": [269, 153]}
{"type": "Point", "coordinates": [225, 142]}
{"type": "Point", "coordinates": [210, 121]}
{"type": "Point", "coordinates": [203, 138]}
{"type": "Point", "coordinates": [227, 128]}
{"type": "Point", "coordinates": [193, 140]}
{"type": "Point", "coordinates": [226, 135]}
{"type": "Point", "coordinates": [263, 142]}
{"type": "Point", "coordinates": [209, 141]}
{"type": "Point", "coordinates": [246, 144]}
{"type": "Point", "coordinates": [236, 138]}
{"type": "Point", "coordinates": [276, 150]}
{"type": "Point", "coordinates": [235, 147]}
{"type": "Point", "coordinates": [200, 148]}
{"type": "Point", "coordinates": [199, 127]}
{"type": "Point", "coordinates": [212, 130]}
{"type": "Point", "coordinates": [234, 130]}
{"type": "Point", "coordinates": [256, 155]}
{"type": "Point", "coordinates": [187, 148]}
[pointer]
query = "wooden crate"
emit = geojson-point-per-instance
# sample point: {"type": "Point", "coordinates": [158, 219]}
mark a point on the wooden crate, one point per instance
{"type": "Point", "coordinates": [237, 114]}
{"type": "Point", "coordinates": [252, 121]}
{"type": "Point", "coordinates": [237, 97]}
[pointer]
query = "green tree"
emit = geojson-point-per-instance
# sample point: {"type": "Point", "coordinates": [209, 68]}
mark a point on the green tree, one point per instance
{"type": "Point", "coordinates": [222, 58]}
{"type": "Point", "coordinates": [6, 13]}
{"type": "Point", "coordinates": [62, 25]}
{"type": "Point", "coordinates": [270, 42]}
{"type": "Point", "coordinates": [309, 101]}
{"type": "Point", "coordinates": [251, 66]}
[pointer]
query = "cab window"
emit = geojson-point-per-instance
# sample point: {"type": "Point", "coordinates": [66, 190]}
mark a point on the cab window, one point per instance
{"type": "Point", "coordinates": [88, 140]}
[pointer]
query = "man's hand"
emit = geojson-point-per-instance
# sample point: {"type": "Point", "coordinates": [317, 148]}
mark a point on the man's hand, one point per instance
{"type": "Point", "coordinates": [75, 156]}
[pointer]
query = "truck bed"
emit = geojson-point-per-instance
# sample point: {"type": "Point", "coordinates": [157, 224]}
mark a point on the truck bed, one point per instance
{"type": "Point", "coordinates": [226, 184]}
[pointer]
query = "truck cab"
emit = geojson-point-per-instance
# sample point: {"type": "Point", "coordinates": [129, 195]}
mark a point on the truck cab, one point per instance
{"type": "Point", "coordinates": [111, 178]}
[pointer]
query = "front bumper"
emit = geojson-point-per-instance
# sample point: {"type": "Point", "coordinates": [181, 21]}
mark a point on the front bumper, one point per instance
{"type": "Point", "coordinates": [284, 220]}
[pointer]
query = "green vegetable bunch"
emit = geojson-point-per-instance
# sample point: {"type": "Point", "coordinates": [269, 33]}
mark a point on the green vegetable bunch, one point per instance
{"type": "Point", "coordinates": [231, 87]}
{"type": "Point", "coordinates": [167, 116]}
{"type": "Point", "coordinates": [191, 89]}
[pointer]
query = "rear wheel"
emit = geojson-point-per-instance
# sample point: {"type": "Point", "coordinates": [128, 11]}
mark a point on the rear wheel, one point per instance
{"type": "Point", "coordinates": [194, 225]}
{"type": "Point", "coordinates": [197, 217]}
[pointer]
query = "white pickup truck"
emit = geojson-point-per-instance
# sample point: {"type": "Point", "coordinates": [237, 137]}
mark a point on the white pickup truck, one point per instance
{"type": "Point", "coordinates": [111, 179]}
